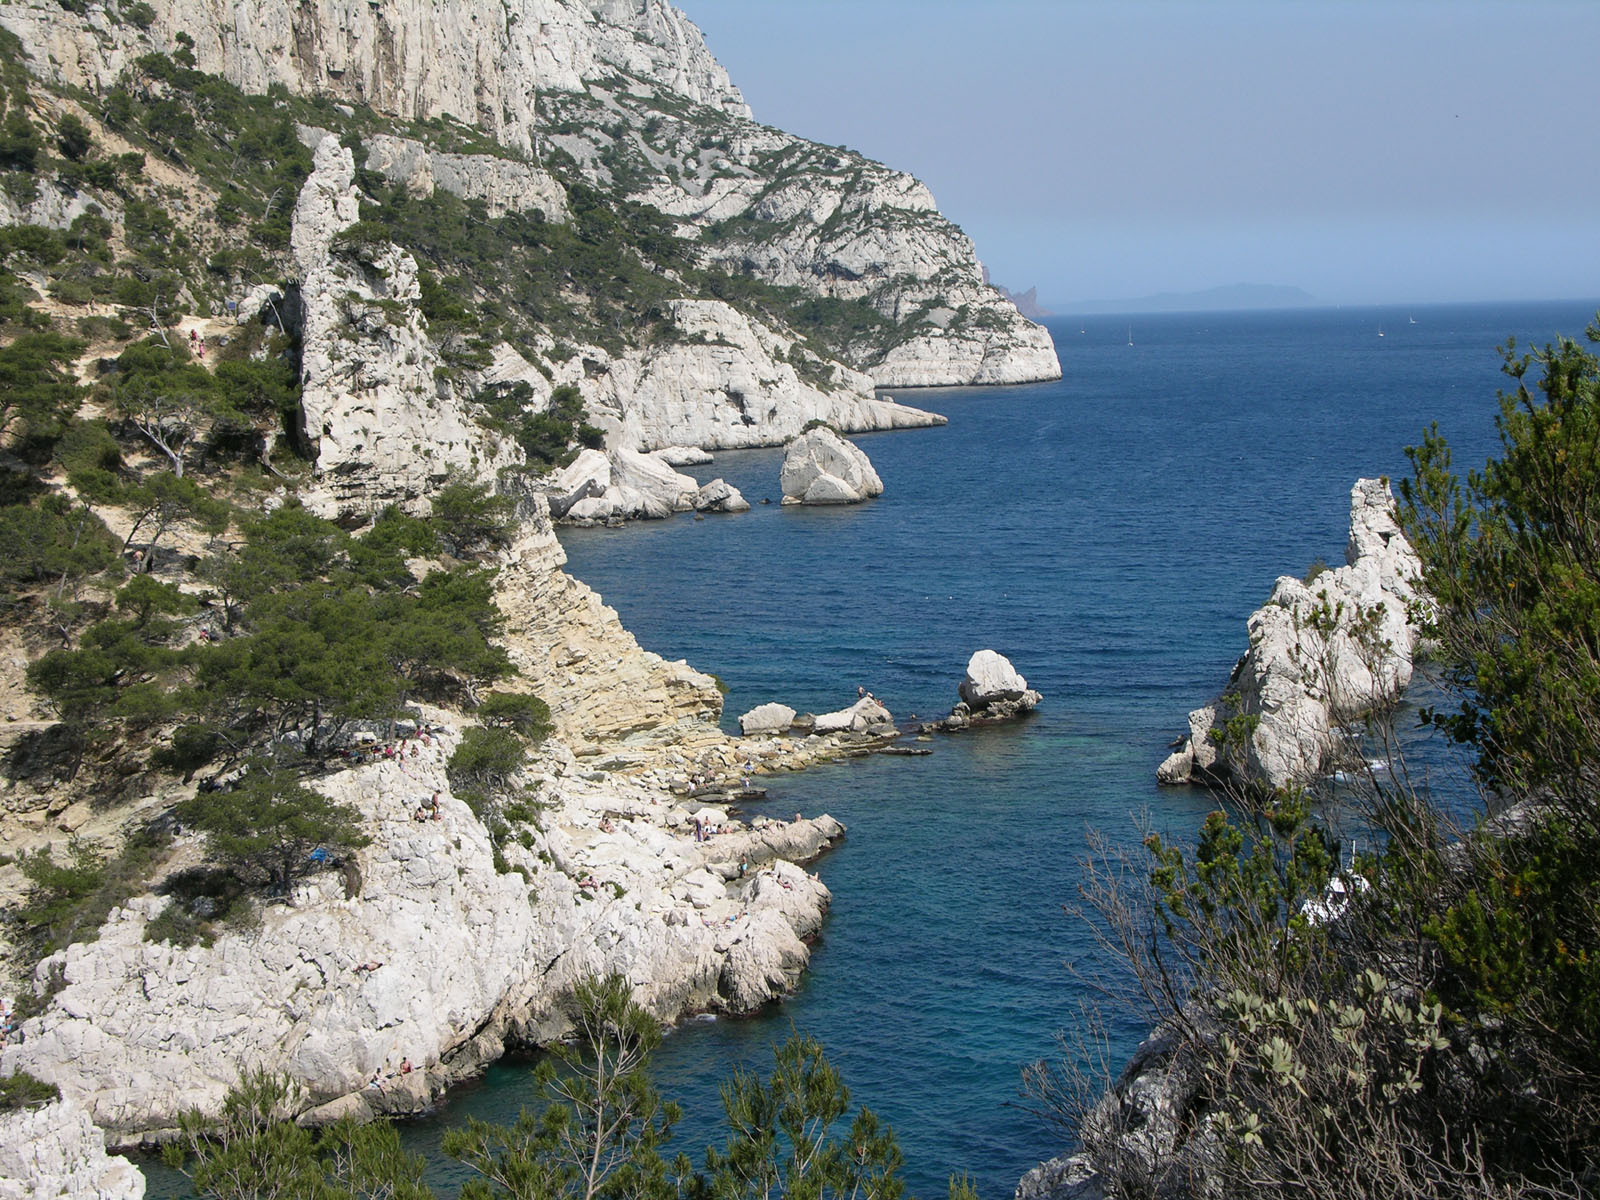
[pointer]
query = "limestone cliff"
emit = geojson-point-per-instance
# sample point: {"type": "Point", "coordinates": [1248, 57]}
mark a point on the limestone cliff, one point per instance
{"type": "Point", "coordinates": [56, 1151]}
{"type": "Point", "coordinates": [625, 96]}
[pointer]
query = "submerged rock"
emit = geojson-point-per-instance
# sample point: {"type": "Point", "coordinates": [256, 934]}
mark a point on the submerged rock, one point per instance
{"type": "Point", "coordinates": [1323, 652]}
{"type": "Point", "coordinates": [820, 467]}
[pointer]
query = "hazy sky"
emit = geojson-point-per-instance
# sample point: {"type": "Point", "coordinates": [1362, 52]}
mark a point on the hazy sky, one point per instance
{"type": "Point", "coordinates": [1364, 151]}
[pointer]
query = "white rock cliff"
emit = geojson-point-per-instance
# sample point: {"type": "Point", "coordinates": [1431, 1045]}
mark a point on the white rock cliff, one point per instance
{"type": "Point", "coordinates": [1323, 653]}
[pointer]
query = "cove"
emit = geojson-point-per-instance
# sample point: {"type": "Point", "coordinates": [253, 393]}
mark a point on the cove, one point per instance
{"type": "Point", "coordinates": [1109, 533]}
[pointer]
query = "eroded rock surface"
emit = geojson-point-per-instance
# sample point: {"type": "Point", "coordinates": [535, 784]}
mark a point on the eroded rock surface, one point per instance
{"type": "Point", "coordinates": [1322, 654]}
{"type": "Point", "coordinates": [386, 427]}
{"type": "Point", "coordinates": [820, 467]}
{"type": "Point", "coordinates": [56, 1151]}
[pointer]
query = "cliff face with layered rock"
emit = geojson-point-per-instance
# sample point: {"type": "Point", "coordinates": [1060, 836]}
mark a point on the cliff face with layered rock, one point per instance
{"type": "Point", "coordinates": [1323, 653]}
{"type": "Point", "coordinates": [385, 427]}
{"type": "Point", "coordinates": [622, 95]}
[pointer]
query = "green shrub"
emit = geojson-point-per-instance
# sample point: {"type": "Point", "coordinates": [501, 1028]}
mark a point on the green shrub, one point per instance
{"type": "Point", "coordinates": [19, 1091]}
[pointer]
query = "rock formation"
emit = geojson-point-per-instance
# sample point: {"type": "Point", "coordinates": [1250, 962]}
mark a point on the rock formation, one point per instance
{"type": "Point", "coordinates": [504, 185]}
{"type": "Point", "coordinates": [599, 487]}
{"type": "Point", "coordinates": [56, 1152]}
{"type": "Point", "coordinates": [724, 381]}
{"type": "Point", "coordinates": [386, 430]}
{"type": "Point", "coordinates": [1323, 653]}
{"type": "Point", "coordinates": [631, 93]}
{"type": "Point", "coordinates": [991, 692]}
{"type": "Point", "coordinates": [820, 467]}
{"type": "Point", "coordinates": [440, 958]}
{"type": "Point", "coordinates": [767, 718]}
{"type": "Point", "coordinates": [866, 715]}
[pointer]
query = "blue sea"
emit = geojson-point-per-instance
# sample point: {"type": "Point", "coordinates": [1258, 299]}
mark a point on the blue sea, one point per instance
{"type": "Point", "coordinates": [1109, 533]}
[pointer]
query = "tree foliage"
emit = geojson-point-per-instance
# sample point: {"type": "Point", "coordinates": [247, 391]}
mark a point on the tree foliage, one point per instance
{"type": "Point", "coordinates": [314, 629]}
{"type": "Point", "coordinates": [272, 830]}
{"type": "Point", "coordinates": [1423, 1021]}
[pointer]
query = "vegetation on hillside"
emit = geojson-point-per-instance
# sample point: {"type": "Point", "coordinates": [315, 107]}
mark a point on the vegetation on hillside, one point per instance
{"type": "Point", "coordinates": [1442, 1036]}
{"type": "Point", "coordinates": [601, 1133]}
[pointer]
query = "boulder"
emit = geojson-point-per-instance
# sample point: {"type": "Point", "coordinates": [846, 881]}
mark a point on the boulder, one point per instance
{"type": "Point", "coordinates": [991, 677]}
{"type": "Point", "coordinates": [866, 715]}
{"type": "Point", "coordinates": [720, 496]}
{"type": "Point", "coordinates": [767, 718]}
{"type": "Point", "coordinates": [820, 467]}
{"type": "Point", "coordinates": [683, 456]}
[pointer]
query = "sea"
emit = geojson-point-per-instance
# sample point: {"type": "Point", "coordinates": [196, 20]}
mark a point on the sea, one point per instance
{"type": "Point", "coordinates": [1109, 533]}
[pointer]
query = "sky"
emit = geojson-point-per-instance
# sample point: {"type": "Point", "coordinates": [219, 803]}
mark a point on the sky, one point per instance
{"type": "Point", "coordinates": [1362, 150]}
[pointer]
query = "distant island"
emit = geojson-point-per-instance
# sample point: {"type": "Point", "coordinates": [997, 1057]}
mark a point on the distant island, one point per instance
{"type": "Point", "coordinates": [1230, 296]}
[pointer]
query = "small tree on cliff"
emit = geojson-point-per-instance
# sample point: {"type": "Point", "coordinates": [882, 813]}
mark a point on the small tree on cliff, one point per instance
{"type": "Point", "coordinates": [273, 830]}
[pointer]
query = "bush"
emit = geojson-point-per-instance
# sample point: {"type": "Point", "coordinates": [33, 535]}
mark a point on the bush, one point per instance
{"type": "Point", "coordinates": [526, 715]}
{"type": "Point", "coordinates": [19, 1091]}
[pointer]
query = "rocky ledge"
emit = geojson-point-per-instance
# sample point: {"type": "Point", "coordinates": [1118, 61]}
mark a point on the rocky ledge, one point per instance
{"type": "Point", "coordinates": [1324, 652]}
{"type": "Point", "coordinates": [56, 1151]}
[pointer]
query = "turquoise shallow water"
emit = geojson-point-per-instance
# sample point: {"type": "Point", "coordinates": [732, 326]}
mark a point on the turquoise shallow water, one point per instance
{"type": "Point", "coordinates": [1109, 533]}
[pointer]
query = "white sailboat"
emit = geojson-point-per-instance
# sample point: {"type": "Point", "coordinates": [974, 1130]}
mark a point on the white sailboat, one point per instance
{"type": "Point", "coordinates": [1130, 335]}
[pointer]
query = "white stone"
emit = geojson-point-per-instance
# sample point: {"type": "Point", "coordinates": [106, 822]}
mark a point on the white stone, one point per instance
{"type": "Point", "coordinates": [820, 467]}
{"type": "Point", "coordinates": [1310, 669]}
{"type": "Point", "coordinates": [504, 185]}
{"type": "Point", "coordinates": [866, 715]}
{"type": "Point", "coordinates": [385, 428]}
{"type": "Point", "coordinates": [55, 1151]}
{"type": "Point", "coordinates": [767, 718]}
{"type": "Point", "coordinates": [720, 496]}
{"type": "Point", "coordinates": [991, 677]}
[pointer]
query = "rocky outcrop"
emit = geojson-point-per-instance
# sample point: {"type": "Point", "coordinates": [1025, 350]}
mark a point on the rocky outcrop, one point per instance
{"type": "Point", "coordinates": [720, 496]}
{"type": "Point", "coordinates": [439, 958]}
{"type": "Point", "coordinates": [599, 487]}
{"type": "Point", "coordinates": [723, 381]}
{"type": "Point", "coordinates": [386, 428]}
{"type": "Point", "coordinates": [572, 651]}
{"type": "Point", "coordinates": [1323, 652]}
{"type": "Point", "coordinates": [820, 467]}
{"type": "Point", "coordinates": [57, 1152]}
{"type": "Point", "coordinates": [504, 185]}
{"type": "Point", "coordinates": [834, 224]}
{"type": "Point", "coordinates": [866, 715]}
{"type": "Point", "coordinates": [991, 692]}
{"type": "Point", "coordinates": [991, 679]}
{"type": "Point", "coordinates": [1144, 1130]}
